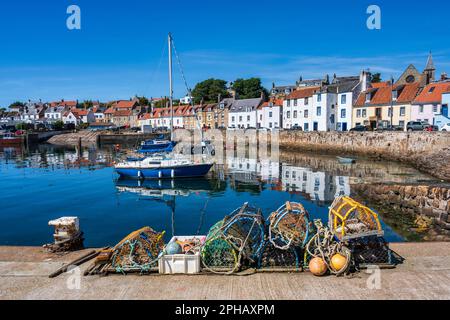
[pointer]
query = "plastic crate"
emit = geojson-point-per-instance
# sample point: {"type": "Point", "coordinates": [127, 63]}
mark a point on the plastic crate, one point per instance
{"type": "Point", "coordinates": [181, 263]}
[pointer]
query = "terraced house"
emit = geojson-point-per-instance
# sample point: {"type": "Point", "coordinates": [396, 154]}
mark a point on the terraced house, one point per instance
{"type": "Point", "coordinates": [385, 104]}
{"type": "Point", "coordinates": [430, 105]}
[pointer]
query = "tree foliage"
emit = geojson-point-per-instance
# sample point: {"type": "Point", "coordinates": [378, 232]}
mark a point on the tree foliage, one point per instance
{"type": "Point", "coordinates": [209, 91]}
{"type": "Point", "coordinates": [17, 104]}
{"type": "Point", "coordinates": [143, 101]}
{"type": "Point", "coordinates": [376, 78]}
{"type": "Point", "coordinates": [249, 88]}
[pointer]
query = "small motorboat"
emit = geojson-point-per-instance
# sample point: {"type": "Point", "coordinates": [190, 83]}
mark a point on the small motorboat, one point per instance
{"type": "Point", "coordinates": [346, 160]}
{"type": "Point", "coordinates": [163, 167]}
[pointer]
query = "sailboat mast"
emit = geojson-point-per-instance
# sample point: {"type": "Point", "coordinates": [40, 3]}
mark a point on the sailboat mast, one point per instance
{"type": "Point", "coordinates": [171, 86]}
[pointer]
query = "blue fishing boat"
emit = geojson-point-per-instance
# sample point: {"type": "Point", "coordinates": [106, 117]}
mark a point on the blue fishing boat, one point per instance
{"type": "Point", "coordinates": [162, 167]}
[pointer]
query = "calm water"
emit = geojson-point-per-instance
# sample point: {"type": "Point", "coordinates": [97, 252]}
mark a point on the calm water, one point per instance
{"type": "Point", "coordinates": [49, 182]}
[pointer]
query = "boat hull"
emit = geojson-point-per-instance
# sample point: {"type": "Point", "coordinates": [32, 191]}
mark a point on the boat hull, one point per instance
{"type": "Point", "coordinates": [165, 173]}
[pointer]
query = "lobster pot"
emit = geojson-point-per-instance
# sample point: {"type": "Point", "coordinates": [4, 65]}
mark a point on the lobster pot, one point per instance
{"type": "Point", "coordinates": [235, 241]}
{"type": "Point", "coordinates": [373, 251]}
{"type": "Point", "coordinates": [349, 219]}
{"type": "Point", "coordinates": [275, 259]}
{"type": "Point", "coordinates": [138, 252]}
{"type": "Point", "coordinates": [289, 226]}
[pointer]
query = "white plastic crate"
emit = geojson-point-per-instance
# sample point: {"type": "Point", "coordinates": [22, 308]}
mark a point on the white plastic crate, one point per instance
{"type": "Point", "coordinates": [181, 263]}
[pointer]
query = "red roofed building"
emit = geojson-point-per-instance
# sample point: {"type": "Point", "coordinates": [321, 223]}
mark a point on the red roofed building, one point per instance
{"type": "Point", "coordinates": [270, 114]}
{"type": "Point", "coordinates": [428, 105]}
{"type": "Point", "coordinates": [382, 106]}
{"type": "Point", "coordinates": [296, 108]}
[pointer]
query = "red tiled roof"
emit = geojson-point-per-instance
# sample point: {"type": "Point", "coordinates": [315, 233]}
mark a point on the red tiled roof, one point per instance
{"type": "Point", "coordinates": [64, 104]}
{"type": "Point", "coordinates": [303, 93]}
{"type": "Point", "coordinates": [275, 102]}
{"type": "Point", "coordinates": [125, 104]}
{"type": "Point", "coordinates": [109, 111]}
{"type": "Point", "coordinates": [123, 113]}
{"type": "Point", "coordinates": [432, 93]}
{"type": "Point", "coordinates": [381, 84]}
{"type": "Point", "coordinates": [383, 95]}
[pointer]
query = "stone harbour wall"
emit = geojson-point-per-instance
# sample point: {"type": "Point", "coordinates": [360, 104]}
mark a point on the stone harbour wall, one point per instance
{"type": "Point", "coordinates": [427, 151]}
{"type": "Point", "coordinates": [433, 202]}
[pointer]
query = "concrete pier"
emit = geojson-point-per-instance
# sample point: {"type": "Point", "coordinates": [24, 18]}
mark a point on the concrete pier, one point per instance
{"type": "Point", "coordinates": [425, 274]}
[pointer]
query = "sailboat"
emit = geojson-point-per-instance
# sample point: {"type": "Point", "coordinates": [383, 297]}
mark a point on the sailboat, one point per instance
{"type": "Point", "coordinates": [164, 166]}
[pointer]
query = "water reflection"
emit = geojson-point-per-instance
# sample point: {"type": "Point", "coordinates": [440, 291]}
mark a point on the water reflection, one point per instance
{"type": "Point", "coordinates": [57, 181]}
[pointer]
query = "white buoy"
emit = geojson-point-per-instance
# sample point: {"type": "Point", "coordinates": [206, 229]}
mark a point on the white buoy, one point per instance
{"type": "Point", "coordinates": [160, 174]}
{"type": "Point", "coordinates": [139, 174]}
{"type": "Point", "coordinates": [172, 173]}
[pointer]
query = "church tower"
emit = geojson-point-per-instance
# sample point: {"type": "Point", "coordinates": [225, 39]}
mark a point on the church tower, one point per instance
{"type": "Point", "coordinates": [429, 74]}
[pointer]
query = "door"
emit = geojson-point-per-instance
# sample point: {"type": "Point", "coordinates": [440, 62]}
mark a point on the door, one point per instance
{"type": "Point", "coordinates": [316, 126]}
{"type": "Point", "coordinates": [344, 126]}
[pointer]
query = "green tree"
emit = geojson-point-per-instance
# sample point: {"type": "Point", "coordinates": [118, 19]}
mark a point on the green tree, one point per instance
{"type": "Point", "coordinates": [143, 101]}
{"type": "Point", "coordinates": [86, 104]}
{"type": "Point", "coordinates": [58, 125]}
{"type": "Point", "coordinates": [209, 91]}
{"type": "Point", "coordinates": [17, 104]}
{"type": "Point", "coordinates": [249, 88]}
{"type": "Point", "coordinates": [376, 78]}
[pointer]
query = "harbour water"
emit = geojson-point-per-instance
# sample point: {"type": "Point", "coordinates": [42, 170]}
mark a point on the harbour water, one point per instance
{"type": "Point", "coordinates": [48, 182]}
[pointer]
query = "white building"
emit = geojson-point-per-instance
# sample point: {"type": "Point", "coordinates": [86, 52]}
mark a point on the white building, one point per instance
{"type": "Point", "coordinates": [298, 108]}
{"type": "Point", "coordinates": [324, 108]}
{"type": "Point", "coordinates": [53, 114]}
{"type": "Point", "coordinates": [270, 115]}
{"type": "Point", "coordinates": [243, 113]}
{"type": "Point", "coordinates": [71, 118]}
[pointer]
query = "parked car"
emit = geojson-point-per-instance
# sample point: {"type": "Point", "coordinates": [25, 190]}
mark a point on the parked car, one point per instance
{"type": "Point", "coordinates": [360, 129]}
{"type": "Point", "coordinates": [296, 127]}
{"type": "Point", "coordinates": [390, 128]}
{"type": "Point", "coordinates": [431, 128]}
{"type": "Point", "coordinates": [417, 126]}
{"type": "Point", "coordinates": [446, 127]}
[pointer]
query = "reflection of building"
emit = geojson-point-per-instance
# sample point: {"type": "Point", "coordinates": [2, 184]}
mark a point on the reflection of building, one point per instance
{"type": "Point", "coordinates": [319, 186]}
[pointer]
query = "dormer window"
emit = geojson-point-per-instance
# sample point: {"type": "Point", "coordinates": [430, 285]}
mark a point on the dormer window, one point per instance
{"type": "Point", "coordinates": [368, 97]}
{"type": "Point", "coordinates": [431, 90]}
{"type": "Point", "coordinates": [394, 95]}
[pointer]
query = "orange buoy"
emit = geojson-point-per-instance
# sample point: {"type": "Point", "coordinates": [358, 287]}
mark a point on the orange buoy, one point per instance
{"type": "Point", "coordinates": [318, 267]}
{"type": "Point", "coordinates": [338, 262]}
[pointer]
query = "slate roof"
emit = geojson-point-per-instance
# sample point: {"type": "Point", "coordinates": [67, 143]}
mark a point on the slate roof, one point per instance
{"type": "Point", "coordinates": [245, 105]}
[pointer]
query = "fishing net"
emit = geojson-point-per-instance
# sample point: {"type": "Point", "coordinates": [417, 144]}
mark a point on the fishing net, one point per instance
{"type": "Point", "coordinates": [324, 245]}
{"type": "Point", "coordinates": [373, 251]}
{"type": "Point", "coordinates": [235, 241]}
{"type": "Point", "coordinates": [275, 259]}
{"type": "Point", "coordinates": [138, 252]}
{"type": "Point", "coordinates": [289, 226]}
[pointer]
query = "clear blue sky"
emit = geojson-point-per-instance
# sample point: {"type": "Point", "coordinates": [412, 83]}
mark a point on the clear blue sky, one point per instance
{"type": "Point", "coordinates": [117, 53]}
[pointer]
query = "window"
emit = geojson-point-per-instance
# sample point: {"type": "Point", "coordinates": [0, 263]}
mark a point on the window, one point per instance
{"type": "Point", "coordinates": [343, 113]}
{"type": "Point", "coordinates": [240, 118]}
{"type": "Point", "coordinates": [344, 99]}
{"type": "Point", "coordinates": [295, 114]}
{"type": "Point", "coordinates": [306, 126]}
{"type": "Point", "coordinates": [270, 124]}
{"type": "Point", "coordinates": [390, 112]}
{"type": "Point", "coordinates": [295, 102]}
{"type": "Point", "coordinates": [319, 111]}
{"type": "Point", "coordinates": [306, 113]}
{"type": "Point", "coordinates": [435, 108]}
{"type": "Point", "coordinates": [319, 97]}
{"type": "Point", "coordinates": [332, 119]}
{"type": "Point", "coordinates": [288, 114]}
{"type": "Point", "coordinates": [364, 113]}
{"type": "Point", "coordinates": [401, 124]}
{"type": "Point", "coordinates": [306, 101]}
{"type": "Point", "coordinates": [394, 95]}
{"type": "Point", "coordinates": [358, 113]}
{"type": "Point", "coordinates": [402, 111]}
{"type": "Point", "coordinates": [421, 109]}
{"type": "Point", "coordinates": [288, 103]}
{"type": "Point", "coordinates": [232, 119]}
{"type": "Point", "coordinates": [270, 114]}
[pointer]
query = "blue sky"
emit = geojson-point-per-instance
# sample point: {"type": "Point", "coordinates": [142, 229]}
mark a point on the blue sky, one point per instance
{"type": "Point", "coordinates": [120, 50]}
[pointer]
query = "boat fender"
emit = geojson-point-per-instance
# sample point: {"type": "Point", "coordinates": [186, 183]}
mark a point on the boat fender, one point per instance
{"type": "Point", "coordinates": [172, 173]}
{"type": "Point", "coordinates": [139, 174]}
{"type": "Point", "coordinates": [160, 174]}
